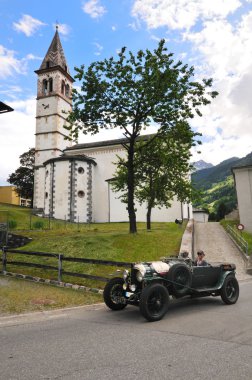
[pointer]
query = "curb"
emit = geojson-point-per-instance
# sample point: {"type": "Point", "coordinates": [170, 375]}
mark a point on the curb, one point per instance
{"type": "Point", "coordinates": [59, 284]}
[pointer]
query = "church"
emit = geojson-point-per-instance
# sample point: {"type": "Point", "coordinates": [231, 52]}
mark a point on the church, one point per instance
{"type": "Point", "coordinates": [73, 182]}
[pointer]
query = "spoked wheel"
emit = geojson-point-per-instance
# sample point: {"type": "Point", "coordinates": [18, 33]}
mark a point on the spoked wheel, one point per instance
{"type": "Point", "coordinates": [154, 302]}
{"type": "Point", "coordinates": [181, 277]}
{"type": "Point", "coordinates": [113, 294]}
{"type": "Point", "coordinates": [230, 290]}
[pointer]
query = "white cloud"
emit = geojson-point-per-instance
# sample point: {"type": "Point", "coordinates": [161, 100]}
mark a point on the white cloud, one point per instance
{"type": "Point", "coordinates": [64, 29]}
{"type": "Point", "coordinates": [9, 64]}
{"type": "Point", "coordinates": [94, 8]}
{"type": "Point", "coordinates": [181, 14]}
{"type": "Point", "coordinates": [221, 48]}
{"type": "Point", "coordinates": [114, 28]}
{"type": "Point", "coordinates": [16, 135]}
{"type": "Point", "coordinates": [28, 25]}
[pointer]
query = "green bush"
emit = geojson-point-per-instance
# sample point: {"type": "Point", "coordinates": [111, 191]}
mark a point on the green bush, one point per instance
{"type": "Point", "coordinates": [12, 224]}
{"type": "Point", "coordinates": [38, 225]}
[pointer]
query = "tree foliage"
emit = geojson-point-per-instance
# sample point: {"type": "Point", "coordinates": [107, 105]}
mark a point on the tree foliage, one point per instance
{"type": "Point", "coordinates": [161, 170]}
{"type": "Point", "coordinates": [23, 177]}
{"type": "Point", "coordinates": [132, 92]}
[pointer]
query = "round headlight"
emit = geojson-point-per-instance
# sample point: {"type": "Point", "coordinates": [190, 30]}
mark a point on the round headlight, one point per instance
{"type": "Point", "coordinates": [139, 276]}
{"type": "Point", "coordinates": [125, 274]}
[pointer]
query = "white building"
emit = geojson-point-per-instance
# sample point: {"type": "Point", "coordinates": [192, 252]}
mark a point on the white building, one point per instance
{"type": "Point", "coordinates": [73, 182]}
{"type": "Point", "coordinates": [243, 184]}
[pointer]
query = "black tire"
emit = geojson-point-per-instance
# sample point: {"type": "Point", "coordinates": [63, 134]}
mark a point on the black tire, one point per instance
{"type": "Point", "coordinates": [112, 293]}
{"type": "Point", "coordinates": [154, 302]}
{"type": "Point", "coordinates": [181, 277]}
{"type": "Point", "coordinates": [230, 290]}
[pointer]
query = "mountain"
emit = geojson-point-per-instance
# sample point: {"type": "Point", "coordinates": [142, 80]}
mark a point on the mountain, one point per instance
{"type": "Point", "coordinates": [216, 184]}
{"type": "Point", "coordinates": [199, 165]}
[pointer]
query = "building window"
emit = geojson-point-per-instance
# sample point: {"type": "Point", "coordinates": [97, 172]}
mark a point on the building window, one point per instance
{"type": "Point", "coordinates": [63, 87]}
{"type": "Point", "coordinates": [67, 90]}
{"type": "Point", "coordinates": [50, 85]}
{"type": "Point", "coordinates": [45, 87]}
{"type": "Point", "coordinates": [47, 64]}
{"type": "Point", "coordinates": [81, 194]}
{"type": "Point", "coordinates": [81, 170]}
{"type": "Point", "coordinates": [46, 194]}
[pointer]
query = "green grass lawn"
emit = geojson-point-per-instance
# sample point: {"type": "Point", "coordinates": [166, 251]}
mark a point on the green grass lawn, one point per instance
{"type": "Point", "coordinates": [108, 241]}
{"type": "Point", "coordinates": [19, 296]}
{"type": "Point", "coordinates": [246, 235]}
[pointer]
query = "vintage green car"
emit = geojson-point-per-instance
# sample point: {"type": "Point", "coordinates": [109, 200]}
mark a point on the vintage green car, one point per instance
{"type": "Point", "coordinates": [150, 285]}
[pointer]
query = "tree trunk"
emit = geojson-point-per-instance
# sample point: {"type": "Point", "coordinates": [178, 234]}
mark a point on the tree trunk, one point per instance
{"type": "Point", "coordinates": [131, 188]}
{"type": "Point", "coordinates": [148, 217]}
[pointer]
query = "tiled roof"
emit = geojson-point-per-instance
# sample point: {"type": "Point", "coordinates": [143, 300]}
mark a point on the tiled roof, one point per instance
{"type": "Point", "coordinates": [97, 144]}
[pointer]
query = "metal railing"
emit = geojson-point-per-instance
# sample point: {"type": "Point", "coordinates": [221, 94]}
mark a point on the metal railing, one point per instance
{"type": "Point", "coordinates": [238, 239]}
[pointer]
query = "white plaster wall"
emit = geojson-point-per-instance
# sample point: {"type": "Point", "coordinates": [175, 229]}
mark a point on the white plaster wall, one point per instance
{"type": "Point", "coordinates": [107, 206]}
{"type": "Point", "coordinates": [81, 185]}
{"type": "Point", "coordinates": [118, 212]}
{"type": "Point", "coordinates": [243, 180]}
{"type": "Point", "coordinates": [47, 189]}
{"type": "Point", "coordinates": [61, 183]}
{"type": "Point", "coordinates": [39, 188]}
{"type": "Point", "coordinates": [103, 171]}
{"type": "Point", "coordinates": [200, 217]}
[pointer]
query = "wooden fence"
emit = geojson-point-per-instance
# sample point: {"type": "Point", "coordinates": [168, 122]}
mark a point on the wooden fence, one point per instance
{"type": "Point", "coordinates": [60, 259]}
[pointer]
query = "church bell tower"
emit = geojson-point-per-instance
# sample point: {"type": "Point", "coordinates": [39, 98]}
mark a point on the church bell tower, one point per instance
{"type": "Point", "coordinates": [54, 89]}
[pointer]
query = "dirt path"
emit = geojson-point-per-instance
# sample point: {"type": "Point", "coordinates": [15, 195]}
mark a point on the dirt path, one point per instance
{"type": "Point", "coordinates": [214, 241]}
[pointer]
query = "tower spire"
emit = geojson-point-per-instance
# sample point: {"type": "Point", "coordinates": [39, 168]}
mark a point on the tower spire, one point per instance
{"type": "Point", "coordinates": [55, 54]}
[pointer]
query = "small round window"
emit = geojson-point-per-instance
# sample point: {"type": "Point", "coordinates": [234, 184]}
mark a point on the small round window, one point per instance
{"type": "Point", "coordinates": [80, 170]}
{"type": "Point", "coordinates": [81, 194]}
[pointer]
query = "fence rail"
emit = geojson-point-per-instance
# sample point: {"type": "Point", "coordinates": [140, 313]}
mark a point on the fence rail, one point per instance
{"type": "Point", "coordinates": [60, 259]}
{"type": "Point", "coordinates": [238, 239]}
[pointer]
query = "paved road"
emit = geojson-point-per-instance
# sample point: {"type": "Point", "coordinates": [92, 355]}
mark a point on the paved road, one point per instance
{"type": "Point", "coordinates": [212, 238]}
{"type": "Point", "coordinates": [199, 339]}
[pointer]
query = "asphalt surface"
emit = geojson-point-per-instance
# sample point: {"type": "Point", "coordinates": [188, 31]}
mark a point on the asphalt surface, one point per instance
{"type": "Point", "coordinates": [218, 247]}
{"type": "Point", "coordinates": [199, 339]}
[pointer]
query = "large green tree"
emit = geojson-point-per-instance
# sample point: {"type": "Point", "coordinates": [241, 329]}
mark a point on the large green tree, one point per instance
{"type": "Point", "coordinates": [132, 92]}
{"type": "Point", "coordinates": [161, 170]}
{"type": "Point", "coordinates": [23, 177]}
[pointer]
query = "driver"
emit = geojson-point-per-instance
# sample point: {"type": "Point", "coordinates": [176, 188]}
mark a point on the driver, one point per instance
{"type": "Point", "coordinates": [200, 262]}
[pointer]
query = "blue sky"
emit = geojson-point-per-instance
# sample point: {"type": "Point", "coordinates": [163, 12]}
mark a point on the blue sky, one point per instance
{"type": "Point", "coordinates": [214, 36]}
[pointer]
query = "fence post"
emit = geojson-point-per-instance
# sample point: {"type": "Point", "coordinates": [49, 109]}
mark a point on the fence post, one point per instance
{"type": "Point", "coordinates": [60, 267]}
{"type": "Point", "coordinates": [4, 259]}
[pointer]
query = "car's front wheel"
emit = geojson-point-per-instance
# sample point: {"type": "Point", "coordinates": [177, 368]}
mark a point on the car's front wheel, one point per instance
{"type": "Point", "coordinates": [113, 294]}
{"type": "Point", "coordinates": [230, 290]}
{"type": "Point", "coordinates": [154, 302]}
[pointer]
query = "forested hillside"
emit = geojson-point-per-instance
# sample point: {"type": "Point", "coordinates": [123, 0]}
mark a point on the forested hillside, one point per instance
{"type": "Point", "coordinates": [217, 185]}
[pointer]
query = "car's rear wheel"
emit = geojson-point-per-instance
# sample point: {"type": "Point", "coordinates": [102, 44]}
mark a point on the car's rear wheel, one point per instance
{"type": "Point", "coordinates": [181, 278]}
{"type": "Point", "coordinates": [113, 294]}
{"type": "Point", "coordinates": [230, 290]}
{"type": "Point", "coordinates": [154, 302]}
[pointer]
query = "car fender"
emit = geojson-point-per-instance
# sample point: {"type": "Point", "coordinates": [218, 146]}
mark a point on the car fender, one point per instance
{"type": "Point", "coordinates": [224, 276]}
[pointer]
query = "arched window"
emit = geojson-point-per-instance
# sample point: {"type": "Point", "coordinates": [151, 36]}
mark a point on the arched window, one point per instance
{"type": "Point", "coordinates": [50, 85]}
{"type": "Point", "coordinates": [67, 90]}
{"type": "Point", "coordinates": [45, 87]}
{"type": "Point", "coordinates": [62, 87]}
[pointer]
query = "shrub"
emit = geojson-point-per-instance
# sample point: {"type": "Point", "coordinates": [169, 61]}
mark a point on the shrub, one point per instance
{"type": "Point", "coordinates": [12, 224]}
{"type": "Point", "coordinates": [38, 225]}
